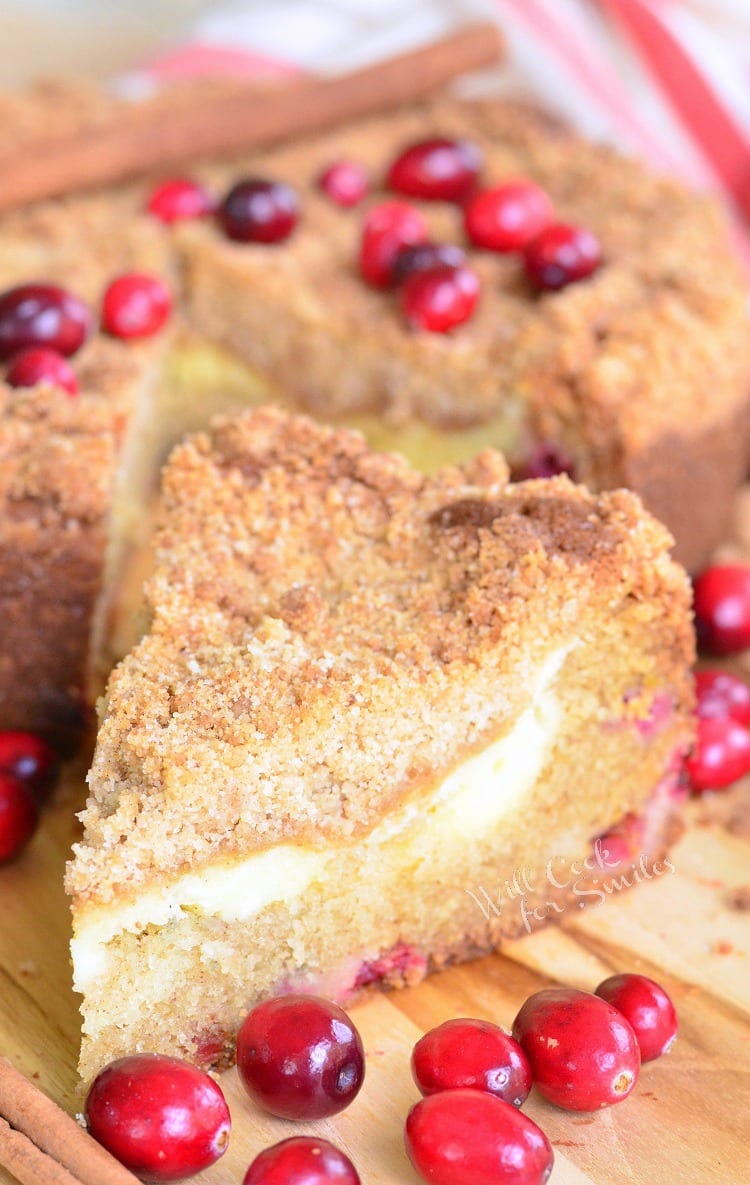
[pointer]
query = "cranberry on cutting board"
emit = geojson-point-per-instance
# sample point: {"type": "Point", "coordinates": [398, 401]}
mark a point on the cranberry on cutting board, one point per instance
{"type": "Point", "coordinates": [161, 1117]}
{"type": "Point", "coordinates": [584, 1054]}
{"type": "Point", "coordinates": [467, 1137]}
{"type": "Point", "coordinates": [300, 1057]}
{"type": "Point", "coordinates": [648, 1009]}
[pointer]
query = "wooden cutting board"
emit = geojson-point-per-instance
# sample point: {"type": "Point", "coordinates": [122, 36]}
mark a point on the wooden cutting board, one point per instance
{"type": "Point", "coordinates": [688, 1120]}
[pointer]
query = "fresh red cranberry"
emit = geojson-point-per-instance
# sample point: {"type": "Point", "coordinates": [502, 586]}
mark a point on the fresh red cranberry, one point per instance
{"type": "Point", "coordinates": [560, 255]}
{"type": "Point", "coordinates": [302, 1160]}
{"type": "Point", "coordinates": [438, 170]}
{"type": "Point", "coordinates": [42, 315]}
{"type": "Point", "coordinates": [471, 1053]}
{"type": "Point", "coordinates": [584, 1055]}
{"type": "Point", "coordinates": [180, 199]}
{"type": "Point", "coordinates": [28, 757]}
{"type": "Point", "coordinates": [161, 1117]}
{"type": "Point", "coordinates": [259, 211]}
{"type": "Point", "coordinates": [135, 305]}
{"type": "Point", "coordinates": [720, 694]}
{"type": "Point", "coordinates": [507, 217]}
{"type": "Point", "coordinates": [721, 754]}
{"type": "Point", "coordinates": [440, 299]}
{"type": "Point", "coordinates": [300, 1057]}
{"type": "Point", "coordinates": [18, 816]}
{"type": "Point", "coordinates": [467, 1137]}
{"type": "Point", "coordinates": [423, 257]}
{"type": "Point", "coordinates": [388, 228]}
{"type": "Point", "coordinates": [545, 460]}
{"type": "Point", "coordinates": [40, 364]}
{"type": "Point", "coordinates": [345, 182]}
{"type": "Point", "coordinates": [722, 608]}
{"type": "Point", "coordinates": [647, 1008]}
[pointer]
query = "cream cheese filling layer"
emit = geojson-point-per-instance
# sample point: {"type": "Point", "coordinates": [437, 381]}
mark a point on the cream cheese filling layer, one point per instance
{"type": "Point", "coordinates": [471, 800]}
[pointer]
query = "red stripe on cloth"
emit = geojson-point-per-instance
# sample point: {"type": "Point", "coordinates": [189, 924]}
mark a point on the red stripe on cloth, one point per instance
{"type": "Point", "coordinates": [602, 84]}
{"type": "Point", "coordinates": [192, 61]}
{"type": "Point", "coordinates": [692, 96]}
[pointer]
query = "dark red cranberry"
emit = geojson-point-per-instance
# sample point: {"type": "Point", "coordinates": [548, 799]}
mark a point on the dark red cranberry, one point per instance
{"type": "Point", "coordinates": [40, 364]}
{"type": "Point", "coordinates": [345, 182]}
{"type": "Point", "coordinates": [135, 306]}
{"type": "Point", "coordinates": [423, 257]}
{"type": "Point", "coordinates": [721, 754]}
{"type": "Point", "coordinates": [560, 255]}
{"type": "Point", "coordinates": [647, 1008]}
{"type": "Point", "coordinates": [584, 1055]}
{"type": "Point", "coordinates": [300, 1057]}
{"type": "Point", "coordinates": [180, 199]}
{"type": "Point", "coordinates": [722, 608]}
{"type": "Point", "coordinates": [545, 460]}
{"type": "Point", "coordinates": [302, 1160]}
{"type": "Point", "coordinates": [28, 757]}
{"type": "Point", "coordinates": [507, 217]}
{"type": "Point", "coordinates": [259, 211]}
{"type": "Point", "coordinates": [467, 1137]}
{"type": "Point", "coordinates": [388, 228]}
{"type": "Point", "coordinates": [720, 694]}
{"type": "Point", "coordinates": [18, 816]}
{"type": "Point", "coordinates": [42, 315]}
{"type": "Point", "coordinates": [440, 299]}
{"type": "Point", "coordinates": [162, 1118]}
{"type": "Point", "coordinates": [472, 1053]}
{"type": "Point", "coordinates": [438, 170]}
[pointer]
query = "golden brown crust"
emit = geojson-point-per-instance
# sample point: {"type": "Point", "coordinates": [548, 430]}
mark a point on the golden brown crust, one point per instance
{"type": "Point", "coordinates": [58, 463]}
{"type": "Point", "coordinates": [316, 602]}
{"type": "Point", "coordinates": [48, 108]}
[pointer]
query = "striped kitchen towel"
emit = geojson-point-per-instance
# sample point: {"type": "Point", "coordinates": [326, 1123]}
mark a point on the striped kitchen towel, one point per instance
{"type": "Point", "coordinates": [666, 79]}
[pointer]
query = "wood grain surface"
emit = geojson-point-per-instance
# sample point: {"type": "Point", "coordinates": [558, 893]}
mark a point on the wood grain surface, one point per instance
{"type": "Point", "coordinates": [688, 1120]}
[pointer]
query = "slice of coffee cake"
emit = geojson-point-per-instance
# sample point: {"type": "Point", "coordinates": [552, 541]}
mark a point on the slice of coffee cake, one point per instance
{"type": "Point", "coordinates": [363, 693]}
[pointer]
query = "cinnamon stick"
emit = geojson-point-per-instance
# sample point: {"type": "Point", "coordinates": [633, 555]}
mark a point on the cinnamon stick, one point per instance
{"type": "Point", "coordinates": [27, 1163]}
{"type": "Point", "coordinates": [142, 139]}
{"type": "Point", "coordinates": [46, 1128]}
